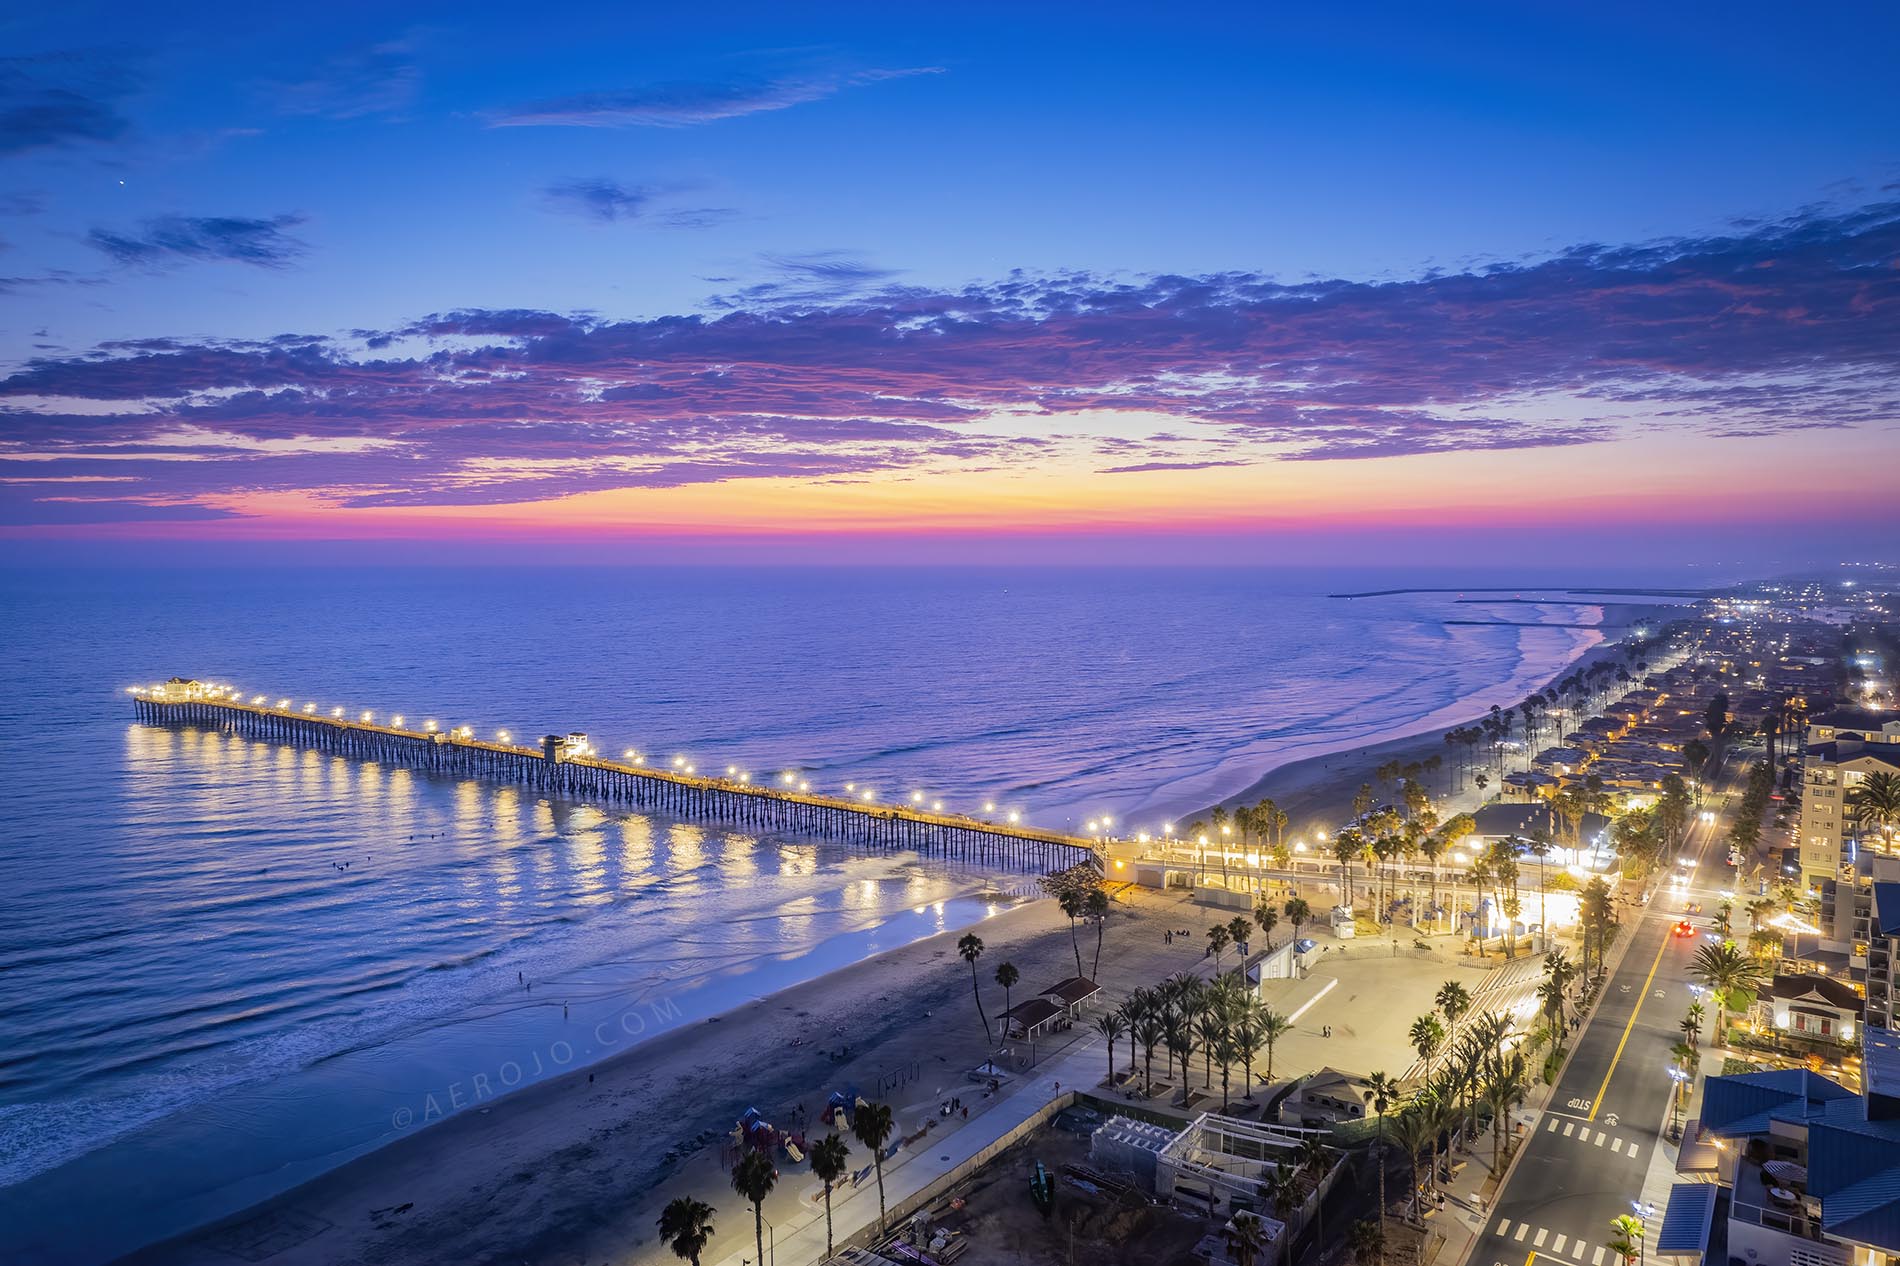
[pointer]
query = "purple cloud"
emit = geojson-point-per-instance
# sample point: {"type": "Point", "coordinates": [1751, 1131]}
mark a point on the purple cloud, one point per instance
{"type": "Point", "coordinates": [831, 372]}
{"type": "Point", "coordinates": [172, 239]}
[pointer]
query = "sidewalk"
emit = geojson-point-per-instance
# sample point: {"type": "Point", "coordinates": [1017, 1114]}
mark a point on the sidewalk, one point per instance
{"type": "Point", "coordinates": [924, 1167]}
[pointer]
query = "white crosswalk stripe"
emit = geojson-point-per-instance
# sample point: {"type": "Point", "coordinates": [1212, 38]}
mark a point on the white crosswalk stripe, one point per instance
{"type": "Point", "coordinates": [1557, 1245]}
{"type": "Point", "coordinates": [1553, 1125]}
{"type": "Point", "coordinates": [1568, 1127]}
{"type": "Point", "coordinates": [1616, 1145]}
{"type": "Point", "coordinates": [1542, 1234]}
{"type": "Point", "coordinates": [1633, 1150]}
{"type": "Point", "coordinates": [1599, 1138]}
{"type": "Point", "coordinates": [1504, 1226]}
{"type": "Point", "coordinates": [1597, 1258]}
{"type": "Point", "coordinates": [1521, 1228]}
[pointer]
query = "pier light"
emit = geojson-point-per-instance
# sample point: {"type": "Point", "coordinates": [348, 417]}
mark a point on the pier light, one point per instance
{"type": "Point", "coordinates": [429, 726]}
{"type": "Point", "coordinates": [396, 721]}
{"type": "Point", "coordinates": [259, 699]}
{"type": "Point", "coordinates": [731, 770]}
{"type": "Point", "coordinates": [787, 779]}
{"type": "Point", "coordinates": [131, 690]}
{"type": "Point", "coordinates": [367, 717]}
{"type": "Point", "coordinates": [690, 769]}
{"type": "Point", "coordinates": [936, 806]}
{"type": "Point", "coordinates": [865, 795]}
{"type": "Point", "coordinates": [502, 735]}
{"type": "Point", "coordinates": [283, 703]}
{"type": "Point", "coordinates": [679, 762]}
{"type": "Point", "coordinates": [1015, 816]}
{"type": "Point", "coordinates": [851, 786]}
{"type": "Point", "coordinates": [988, 807]}
{"type": "Point", "coordinates": [916, 797]}
{"type": "Point", "coordinates": [804, 786]}
{"type": "Point", "coordinates": [745, 777]}
{"type": "Point", "coordinates": [309, 707]}
{"type": "Point", "coordinates": [1142, 838]}
{"type": "Point", "coordinates": [1167, 828]}
{"type": "Point", "coordinates": [631, 753]}
{"type": "Point", "coordinates": [1093, 826]}
{"type": "Point", "coordinates": [639, 760]}
{"type": "Point", "coordinates": [336, 712]}
{"type": "Point", "coordinates": [1320, 835]}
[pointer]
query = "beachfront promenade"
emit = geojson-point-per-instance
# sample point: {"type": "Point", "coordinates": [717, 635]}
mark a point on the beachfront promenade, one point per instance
{"type": "Point", "coordinates": [568, 765]}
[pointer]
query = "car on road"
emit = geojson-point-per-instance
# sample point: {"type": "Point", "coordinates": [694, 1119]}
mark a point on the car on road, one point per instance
{"type": "Point", "coordinates": [1683, 929]}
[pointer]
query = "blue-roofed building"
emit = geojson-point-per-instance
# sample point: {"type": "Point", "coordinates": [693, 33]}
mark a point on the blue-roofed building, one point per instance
{"type": "Point", "coordinates": [1813, 1169]}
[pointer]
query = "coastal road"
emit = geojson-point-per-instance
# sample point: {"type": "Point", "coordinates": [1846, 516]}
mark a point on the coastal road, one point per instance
{"type": "Point", "coordinates": [1588, 1152]}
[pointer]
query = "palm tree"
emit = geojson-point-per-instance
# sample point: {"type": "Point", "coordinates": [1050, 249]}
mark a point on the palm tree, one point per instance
{"type": "Point", "coordinates": [1074, 903]}
{"type": "Point", "coordinates": [1211, 1030]}
{"type": "Point", "coordinates": [828, 1164]}
{"type": "Point", "coordinates": [1877, 800]}
{"type": "Point", "coordinates": [1267, 917]}
{"type": "Point", "coordinates": [1453, 1000]}
{"type": "Point", "coordinates": [1348, 844]}
{"type": "Point", "coordinates": [1273, 1027]}
{"type": "Point", "coordinates": [872, 1125]}
{"type": "Point", "coordinates": [1314, 1162]}
{"type": "Point", "coordinates": [1095, 906]}
{"type": "Point", "coordinates": [1239, 928]}
{"type": "Point", "coordinates": [1723, 968]}
{"type": "Point", "coordinates": [1217, 942]}
{"type": "Point", "coordinates": [1247, 1038]}
{"type": "Point", "coordinates": [970, 948]}
{"type": "Point", "coordinates": [1383, 1091]}
{"type": "Point", "coordinates": [1426, 1034]}
{"type": "Point", "coordinates": [1111, 1026]}
{"type": "Point", "coordinates": [1297, 913]}
{"type": "Point", "coordinates": [1007, 976]}
{"type": "Point", "coordinates": [1368, 1243]}
{"type": "Point", "coordinates": [685, 1226]}
{"type": "Point", "coordinates": [1282, 1187]}
{"type": "Point", "coordinates": [753, 1178]}
{"type": "Point", "coordinates": [1246, 1236]}
{"type": "Point", "coordinates": [1416, 1129]}
{"type": "Point", "coordinates": [1149, 1031]}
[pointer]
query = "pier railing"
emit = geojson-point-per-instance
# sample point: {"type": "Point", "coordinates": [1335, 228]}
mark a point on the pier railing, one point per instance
{"type": "Point", "coordinates": [560, 767]}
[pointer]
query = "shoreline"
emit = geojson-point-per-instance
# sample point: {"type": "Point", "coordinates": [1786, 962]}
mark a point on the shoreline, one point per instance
{"type": "Point", "coordinates": [1312, 788]}
{"type": "Point", "coordinates": [1316, 790]}
{"type": "Point", "coordinates": [557, 1172]}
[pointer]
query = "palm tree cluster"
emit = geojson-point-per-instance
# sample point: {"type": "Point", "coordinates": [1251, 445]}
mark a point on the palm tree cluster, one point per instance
{"type": "Point", "coordinates": [1220, 1019]}
{"type": "Point", "coordinates": [1473, 1067]}
{"type": "Point", "coordinates": [1727, 973]}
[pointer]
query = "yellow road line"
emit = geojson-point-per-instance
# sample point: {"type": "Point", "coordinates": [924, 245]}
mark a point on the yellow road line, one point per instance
{"type": "Point", "coordinates": [1530, 1257]}
{"type": "Point", "coordinates": [1597, 1103]}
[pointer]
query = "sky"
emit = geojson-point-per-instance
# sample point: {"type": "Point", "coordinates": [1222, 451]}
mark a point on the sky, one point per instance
{"type": "Point", "coordinates": [1265, 283]}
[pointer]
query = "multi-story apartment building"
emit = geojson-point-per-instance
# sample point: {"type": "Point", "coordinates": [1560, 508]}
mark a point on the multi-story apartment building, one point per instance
{"type": "Point", "coordinates": [1841, 751]}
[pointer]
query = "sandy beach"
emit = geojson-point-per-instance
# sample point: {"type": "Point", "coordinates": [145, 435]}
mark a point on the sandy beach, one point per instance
{"type": "Point", "coordinates": [576, 1170]}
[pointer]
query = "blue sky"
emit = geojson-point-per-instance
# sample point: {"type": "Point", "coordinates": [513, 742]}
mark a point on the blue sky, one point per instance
{"type": "Point", "coordinates": [229, 175]}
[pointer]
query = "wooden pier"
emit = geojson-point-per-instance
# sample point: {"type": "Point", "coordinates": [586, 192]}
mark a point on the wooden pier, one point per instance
{"type": "Point", "coordinates": [563, 768]}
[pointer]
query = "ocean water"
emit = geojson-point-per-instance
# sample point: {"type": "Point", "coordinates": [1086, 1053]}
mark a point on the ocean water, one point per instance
{"type": "Point", "coordinates": [229, 965]}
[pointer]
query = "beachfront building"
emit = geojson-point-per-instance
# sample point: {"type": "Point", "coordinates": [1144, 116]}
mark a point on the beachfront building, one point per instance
{"type": "Point", "coordinates": [1812, 1170]}
{"type": "Point", "coordinates": [1327, 1098]}
{"type": "Point", "coordinates": [1832, 839]}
